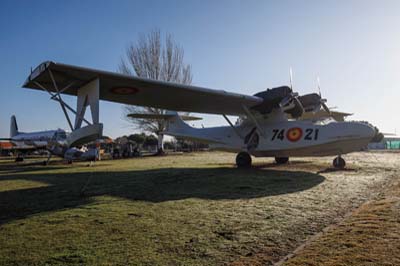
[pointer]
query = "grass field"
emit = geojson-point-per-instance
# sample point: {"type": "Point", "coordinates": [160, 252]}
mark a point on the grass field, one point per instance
{"type": "Point", "coordinates": [194, 209]}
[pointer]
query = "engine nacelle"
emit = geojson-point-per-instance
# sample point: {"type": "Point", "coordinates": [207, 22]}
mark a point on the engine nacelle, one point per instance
{"type": "Point", "coordinates": [280, 97]}
{"type": "Point", "coordinates": [310, 102]}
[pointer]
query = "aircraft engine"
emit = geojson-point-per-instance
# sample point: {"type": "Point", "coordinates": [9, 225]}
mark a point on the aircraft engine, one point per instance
{"type": "Point", "coordinates": [310, 102]}
{"type": "Point", "coordinates": [280, 97]}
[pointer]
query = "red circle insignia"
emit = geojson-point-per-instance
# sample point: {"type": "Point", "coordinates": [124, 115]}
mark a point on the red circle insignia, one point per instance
{"type": "Point", "coordinates": [124, 90]}
{"type": "Point", "coordinates": [294, 134]}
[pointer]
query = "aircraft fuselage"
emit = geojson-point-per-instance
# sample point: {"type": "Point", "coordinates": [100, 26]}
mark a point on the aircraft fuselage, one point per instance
{"type": "Point", "coordinates": [285, 138]}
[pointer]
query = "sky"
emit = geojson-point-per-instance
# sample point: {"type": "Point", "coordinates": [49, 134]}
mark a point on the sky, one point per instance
{"type": "Point", "coordinates": [238, 46]}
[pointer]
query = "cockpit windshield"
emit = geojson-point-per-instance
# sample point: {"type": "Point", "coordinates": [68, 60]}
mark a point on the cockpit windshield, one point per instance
{"type": "Point", "coordinates": [60, 135]}
{"type": "Point", "coordinates": [324, 121]}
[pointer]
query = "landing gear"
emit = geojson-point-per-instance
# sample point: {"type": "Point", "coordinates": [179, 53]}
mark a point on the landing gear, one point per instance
{"type": "Point", "coordinates": [339, 162]}
{"type": "Point", "coordinates": [48, 160]}
{"type": "Point", "coordinates": [243, 160]}
{"type": "Point", "coordinates": [281, 160]}
{"type": "Point", "coordinates": [19, 158]}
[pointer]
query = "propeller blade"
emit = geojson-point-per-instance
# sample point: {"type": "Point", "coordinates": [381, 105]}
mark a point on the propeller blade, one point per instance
{"type": "Point", "coordinates": [291, 78]}
{"type": "Point", "coordinates": [318, 86]}
{"type": "Point", "coordinates": [326, 108]}
{"type": "Point", "coordinates": [323, 101]}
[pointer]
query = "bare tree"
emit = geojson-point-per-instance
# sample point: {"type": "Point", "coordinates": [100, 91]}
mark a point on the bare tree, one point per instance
{"type": "Point", "coordinates": [153, 58]}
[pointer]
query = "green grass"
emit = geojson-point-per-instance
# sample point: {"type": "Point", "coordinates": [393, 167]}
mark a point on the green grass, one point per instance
{"type": "Point", "coordinates": [193, 209]}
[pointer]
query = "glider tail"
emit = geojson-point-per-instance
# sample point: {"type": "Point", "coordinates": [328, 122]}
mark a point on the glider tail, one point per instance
{"type": "Point", "coordinates": [13, 127]}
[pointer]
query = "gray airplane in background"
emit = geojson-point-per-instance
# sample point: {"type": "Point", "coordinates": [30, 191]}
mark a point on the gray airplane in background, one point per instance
{"type": "Point", "coordinates": [54, 141]}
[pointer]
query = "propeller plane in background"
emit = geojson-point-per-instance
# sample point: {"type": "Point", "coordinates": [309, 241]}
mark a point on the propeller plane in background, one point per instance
{"type": "Point", "coordinates": [56, 142]}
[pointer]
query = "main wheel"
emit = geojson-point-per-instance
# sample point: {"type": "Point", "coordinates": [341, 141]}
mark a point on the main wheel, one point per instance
{"type": "Point", "coordinates": [243, 160]}
{"type": "Point", "coordinates": [339, 163]}
{"type": "Point", "coordinates": [281, 160]}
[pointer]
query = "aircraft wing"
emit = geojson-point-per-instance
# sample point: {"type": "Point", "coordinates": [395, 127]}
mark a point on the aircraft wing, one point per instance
{"type": "Point", "coordinates": [163, 116]}
{"type": "Point", "coordinates": [131, 90]}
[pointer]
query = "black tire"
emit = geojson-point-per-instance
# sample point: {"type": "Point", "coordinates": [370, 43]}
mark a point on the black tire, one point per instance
{"type": "Point", "coordinates": [281, 160]}
{"type": "Point", "coordinates": [243, 160]}
{"type": "Point", "coordinates": [339, 163]}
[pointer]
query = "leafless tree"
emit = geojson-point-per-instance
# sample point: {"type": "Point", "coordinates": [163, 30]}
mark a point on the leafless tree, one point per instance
{"type": "Point", "coordinates": [154, 58]}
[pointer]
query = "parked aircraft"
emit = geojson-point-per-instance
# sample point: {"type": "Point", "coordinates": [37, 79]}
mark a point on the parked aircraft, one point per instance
{"type": "Point", "coordinates": [54, 141]}
{"type": "Point", "coordinates": [271, 124]}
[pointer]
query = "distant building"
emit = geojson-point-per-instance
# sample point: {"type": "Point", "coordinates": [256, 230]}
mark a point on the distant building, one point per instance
{"type": "Point", "coordinates": [6, 147]}
{"type": "Point", "coordinates": [389, 142]}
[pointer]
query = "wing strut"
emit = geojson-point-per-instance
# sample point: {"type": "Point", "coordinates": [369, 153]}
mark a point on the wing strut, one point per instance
{"type": "Point", "coordinates": [251, 116]}
{"type": "Point", "coordinates": [232, 126]}
{"type": "Point", "coordinates": [87, 95]}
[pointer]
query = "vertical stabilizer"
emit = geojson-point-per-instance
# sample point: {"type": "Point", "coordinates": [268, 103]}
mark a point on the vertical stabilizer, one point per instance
{"type": "Point", "coordinates": [176, 124]}
{"type": "Point", "coordinates": [13, 127]}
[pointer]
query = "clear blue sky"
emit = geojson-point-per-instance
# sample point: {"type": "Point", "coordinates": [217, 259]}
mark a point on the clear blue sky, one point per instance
{"type": "Point", "coordinates": [241, 46]}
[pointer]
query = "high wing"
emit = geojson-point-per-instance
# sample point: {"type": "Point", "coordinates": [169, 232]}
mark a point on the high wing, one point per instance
{"type": "Point", "coordinates": [131, 90]}
{"type": "Point", "coordinates": [163, 116]}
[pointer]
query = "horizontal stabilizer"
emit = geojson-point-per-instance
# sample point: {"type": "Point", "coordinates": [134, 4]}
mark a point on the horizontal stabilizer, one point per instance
{"type": "Point", "coordinates": [338, 116]}
{"type": "Point", "coordinates": [164, 116]}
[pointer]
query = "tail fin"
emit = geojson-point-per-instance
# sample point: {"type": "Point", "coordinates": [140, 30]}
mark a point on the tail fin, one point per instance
{"type": "Point", "coordinates": [178, 128]}
{"type": "Point", "coordinates": [176, 124]}
{"type": "Point", "coordinates": [13, 127]}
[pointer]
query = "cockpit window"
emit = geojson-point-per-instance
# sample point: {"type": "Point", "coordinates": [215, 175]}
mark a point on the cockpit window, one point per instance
{"type": "Point", "coordinates": [324, 121]}
{"type": "Point", "coordinates": [60, 135]}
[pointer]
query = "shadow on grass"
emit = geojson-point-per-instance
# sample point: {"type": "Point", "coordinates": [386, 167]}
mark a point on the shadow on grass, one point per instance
{"type": "Point", "coordinates": [156, 185]}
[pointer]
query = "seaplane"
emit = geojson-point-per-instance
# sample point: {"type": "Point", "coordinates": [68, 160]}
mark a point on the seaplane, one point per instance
{"type": "Point", "coordinates": [56, 142]}
{"type": "Point", "coordinates": [276, 122]}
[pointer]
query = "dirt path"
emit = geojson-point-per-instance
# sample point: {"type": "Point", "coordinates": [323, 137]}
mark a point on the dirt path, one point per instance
{"type": "Point", "coordinates": [370, 235]}
{"type": "Point", "coordinates": [366, 235]}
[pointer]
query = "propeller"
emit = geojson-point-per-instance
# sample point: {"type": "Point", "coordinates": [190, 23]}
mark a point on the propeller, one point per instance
{"type": "Point", "coordinates": [288, 102]}
{"type": "Point", "coordinates": [322, 101]}
{"type": "Point", "coordinates": [291, 103]}
{"type": "Point", "coordinates": [291, 78]}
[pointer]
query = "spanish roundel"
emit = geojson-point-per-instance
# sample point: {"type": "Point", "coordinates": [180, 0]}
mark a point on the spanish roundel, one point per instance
{"type": "Point", "coordinates": [124, 90]}
{"type": "Point", "coordinates": [294, 134]}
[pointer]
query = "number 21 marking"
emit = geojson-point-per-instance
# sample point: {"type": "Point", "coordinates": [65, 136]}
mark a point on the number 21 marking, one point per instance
{"type": "Point", "coordinates": [310, 134]}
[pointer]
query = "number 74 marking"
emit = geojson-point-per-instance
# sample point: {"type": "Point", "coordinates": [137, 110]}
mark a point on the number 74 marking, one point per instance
{"type": "Point", "coordinates": [310, 134]}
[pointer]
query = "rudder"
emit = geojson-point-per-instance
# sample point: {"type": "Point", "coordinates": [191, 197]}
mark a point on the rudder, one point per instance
{"type": "Point", "coordinates": [13, 127]}
{"type": "Point", "coordinates": [175, 123]}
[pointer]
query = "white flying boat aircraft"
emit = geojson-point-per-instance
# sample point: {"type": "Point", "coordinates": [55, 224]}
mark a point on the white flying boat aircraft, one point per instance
{"type": "Point", "coordinates": [272, 123]}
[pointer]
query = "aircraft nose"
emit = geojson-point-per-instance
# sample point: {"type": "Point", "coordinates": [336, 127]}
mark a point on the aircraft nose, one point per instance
{"type": "Point", "coordinates": [369, 131]}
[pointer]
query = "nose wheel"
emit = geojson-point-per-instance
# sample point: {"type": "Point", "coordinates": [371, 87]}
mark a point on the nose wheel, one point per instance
{"type": "Point", "coordinates": [339, 162]}
{"type": "Point", "coordinates": [243, 160]}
